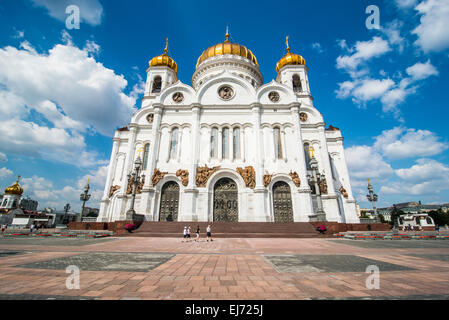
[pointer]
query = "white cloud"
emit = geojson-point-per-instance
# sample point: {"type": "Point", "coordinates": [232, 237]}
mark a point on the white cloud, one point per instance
{"type": "Point", "coordinates": [432, 31]}
{"type": "Point", "coordinates": [91, 11]}
{"type": "Point", "coordinates": [363, 51]}
{"type": "Point", "coordinates": [423, 170]}
{"type": "Point", "coordinates": [3, 157]}
{"type": "Point", "coordinates": [420, 71]}
{"type": "Point", "coordinates": [400, 143]}
{"type": "Point", "coordinates": [71, 93]}
{"type": "Point", "coordinates": [5, 172]}
{"type": "Point", "coordinates": [406, 4]}
{"type": "Point", "coordinates": [393, 33]}
{"type": "Point", "coordinates": [317, 47]}
{"type": "Point", "coordinates": [364, 90]}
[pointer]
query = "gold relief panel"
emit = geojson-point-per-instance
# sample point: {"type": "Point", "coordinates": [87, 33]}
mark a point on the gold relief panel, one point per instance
{"type": "Point", "coordinates": [267, 179]}
{"type": "Point", "coordinates": [295, 178]}
{"type": "Point", "coordinates": [249, 176]}
{"type": "Point", "coordinates": [157, 176]}
{"type": "Point", "coordinates": [184, 176]}
{"type": "Point", "coordinates": [344, 192]}
{"type": "Point", "coordinates": [203, 174]}
{"type": "Point", "coordinates": [112, 190]}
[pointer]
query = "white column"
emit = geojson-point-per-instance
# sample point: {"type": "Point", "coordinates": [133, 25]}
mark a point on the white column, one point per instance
{"type": "Point", "coordinates": [242, 145]}
{"type": "Point", "coordinates": [179, 144]}
{"type": "Point", "coordinates": [129, 156]}
{"type": "Point", "coordinates": [154, 147]}
{"type": "Point", "coordinates": [259, 145]}
{"type": "Point", "coordinates": [111, 168]}
{"type": "Point", "coordinates": [284, 145]}
{"type": "Point", "coordinates": [304, 197]}
{"type": "Point", "coordinates": [231, 144]}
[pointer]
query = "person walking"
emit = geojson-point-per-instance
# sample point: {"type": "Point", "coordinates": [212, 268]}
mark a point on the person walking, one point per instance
{"type": "Point", "coordinates": [188, 234]}
{"type": "Point", "coordinates": [184, 235]}
{"type": "Point", "coordinates": [32, 228]}
{"type": "Point", "coordinates": [197, 233]}
{"type": "Point", "coordinates": [3, 228]}
{"type": "Point", "coordinates": [208, 233]}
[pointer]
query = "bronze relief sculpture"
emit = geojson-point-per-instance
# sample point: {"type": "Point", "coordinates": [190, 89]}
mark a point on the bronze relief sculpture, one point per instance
{"type": "Point", "coordinates": [113, 189]}
{"type": "Point", "coordinates": [157, 176]}
{"type": "Point", "coordinates": [323, 186]}
{"type": "Point", "coordinates": [344, 192]}
{"type": "Point", "coordinates": [303, 117]}
{"type": "Point", "coordinates": [267, 179]}
{"type": "Point", "coordinates": [295, 178]}
{"type": "Point", "coordinates": [203, 174]}
{"type": "Point", "coordinates": [249, 176]}
{"type": "Point", "coordinates": [184, 176]}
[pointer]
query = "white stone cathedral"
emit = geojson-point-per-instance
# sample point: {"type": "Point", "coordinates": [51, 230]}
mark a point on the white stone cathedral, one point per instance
{"type": "Point", "coordinates": [229, 147]}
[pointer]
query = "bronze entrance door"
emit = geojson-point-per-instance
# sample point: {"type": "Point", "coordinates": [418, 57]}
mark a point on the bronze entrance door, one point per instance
{"type": "Point", "coordinates": [226, 201]}
{"type": "Point", "coordinates": [168, 210]}
{"type": "Point", "coordinates": [282, 202]}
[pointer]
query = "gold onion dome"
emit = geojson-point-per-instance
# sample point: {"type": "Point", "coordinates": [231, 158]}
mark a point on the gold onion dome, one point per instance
{"type": "Point", "coordinates": [227, 47]}
{"type": "Point", "coordinates": [164, 60]}
{"type": "Point", "coordinates": [15, 188]}
{"type": "Point", "coordinates": [289, 59]}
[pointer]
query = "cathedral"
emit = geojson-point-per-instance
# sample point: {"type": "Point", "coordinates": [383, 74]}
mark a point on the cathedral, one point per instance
{"type": "Point", "coordinates": [229, 147]}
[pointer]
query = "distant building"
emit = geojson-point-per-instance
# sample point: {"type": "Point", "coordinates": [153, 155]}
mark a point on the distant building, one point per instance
{"type": "Point", "coordinates": [28, 204]}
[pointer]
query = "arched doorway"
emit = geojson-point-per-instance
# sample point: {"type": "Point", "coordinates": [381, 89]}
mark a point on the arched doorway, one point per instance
{"type": "Point", "coordinates": [226, 201]}
{"type": "Point", "coordinates": [282, 202]}
{"type": "Point", "coordinates": [168, 210]}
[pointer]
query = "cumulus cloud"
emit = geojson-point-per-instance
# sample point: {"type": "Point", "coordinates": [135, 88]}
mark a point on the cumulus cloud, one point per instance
{"type": "Point", "coordinates": [405, 4]}
{"type": "Point", "coordinates": [91, 11]}
{"type": "Point", "coordinates": [420, 71]}
{"type": "Point", "coordinates": [364, 90]}
{"type": "Point", "coordinates": [400, 143]}
{"type": "Point", "coordinates": [5, 172]}
{"type": "Point", "coordinates": [3, 157]}
{"type": "Point", "coordinates": [432, 31]}
{"type": "Point", "coordinates": [423, 170]}
{"type": "Point", "coordinates": [70, 92]}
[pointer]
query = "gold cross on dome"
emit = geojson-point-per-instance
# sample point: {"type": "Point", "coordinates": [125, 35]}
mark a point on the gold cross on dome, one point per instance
{"type": "Point", "coordinates": [166, 45]}
{"type": "Point", "coordinates": [227, 33]}
{"type": "Point", "coordinates": [286, 43]}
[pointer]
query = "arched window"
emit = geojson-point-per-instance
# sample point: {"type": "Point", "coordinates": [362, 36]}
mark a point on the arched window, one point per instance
{"type": "Point", "coordinates": [157, 84]}
{"type": "Point", "coordinates": [14, 204]}
{"type": "Point", "coordinates": [213, 143]}
{"type": "Point", "coordinates": [174, 143]}
{"type": "Point", "coordinates": [225, 143]}
{"type": "Point", "coordinates": [307, 155]}
{"type": "Point", "coordinates": [277, 143]}
{"type": "Point", "coordinates": [236, 143]}
{"type": "Point", "coordinates": [296, 83]}
{"type": "Point", "coordinates": [146, 150]}
{"type": "Point", "coordinates": [4, 202]}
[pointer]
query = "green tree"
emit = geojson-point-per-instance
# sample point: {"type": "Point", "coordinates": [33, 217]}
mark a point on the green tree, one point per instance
{"type": "Point", "coordinates": [395, 213]}
{"type": "Point", "coordinates": [381, 218]}
{"type": "Point", "coordinates": [439, 217]}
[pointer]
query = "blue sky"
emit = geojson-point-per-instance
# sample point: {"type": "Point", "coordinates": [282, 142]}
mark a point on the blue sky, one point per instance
{"type": "Point", "coordinates": [64, 92]}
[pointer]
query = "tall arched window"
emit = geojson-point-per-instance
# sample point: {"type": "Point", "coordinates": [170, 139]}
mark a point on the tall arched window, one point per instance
{"type": "Point", "coordinates": [157, 84]}
{"type": "Point", "coordinates": [236, 143]}
{"type": "Point", "coordinates": [277, 143]}
{"type": "Point", "coordinates": [213, 143]}
{"type": "Point", "coordinates": [174, 143]}
{"type": "Point", "coordinates": [14, 204]}
{"type": "Point", "coordinates": [296, 83]}
{"type": "Point", "coordinates": [4, 202]}
{"type": "Point", "coordinates": [146, 150]}
{"type": "Point", "coordinates": [307, 155]}
{"type": "Point", "coordinates": [225, 143]}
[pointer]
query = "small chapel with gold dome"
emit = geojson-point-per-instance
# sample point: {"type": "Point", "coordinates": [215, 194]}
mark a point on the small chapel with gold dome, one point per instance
{"type": "Point", "coordinates": [229, 147]}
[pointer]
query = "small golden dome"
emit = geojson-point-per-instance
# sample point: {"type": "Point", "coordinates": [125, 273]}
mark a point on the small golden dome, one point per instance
{"type": "Point", "coordinates": [15, 188]}
{"type": "Point", "coordinates": [227, 47]}
{"type": "Point", "coordinates": [164, 60]}
{"type": "Point", "coordinates": [290, 59]}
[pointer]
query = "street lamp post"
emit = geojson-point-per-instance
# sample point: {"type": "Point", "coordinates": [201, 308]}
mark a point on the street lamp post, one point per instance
{"type": "Point", "coordinates": [372, 198]}
{"type": "Point", "coordinates": [314, 179]}
{"type": "Point", "coordinates": [135, 180]}
{"type": "Point", "coordinates": [85, 196]}
{"type": "Point", "coordinates": [66, 210]}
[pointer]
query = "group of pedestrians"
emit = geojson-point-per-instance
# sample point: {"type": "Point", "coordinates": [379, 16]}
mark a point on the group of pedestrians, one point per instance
{"type": "Point", "coordinates": [187, 236]}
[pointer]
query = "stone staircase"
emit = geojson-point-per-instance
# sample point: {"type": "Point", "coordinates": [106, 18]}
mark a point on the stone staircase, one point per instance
{"type": "Point", "coordinates": [230, 230]}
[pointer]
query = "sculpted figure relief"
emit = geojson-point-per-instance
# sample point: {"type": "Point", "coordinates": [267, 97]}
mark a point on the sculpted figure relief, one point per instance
{"type": "Point", "coordinates": [249, 176]}
{"type": "Point", "coordinates": [184, 176]}
{"type": "Point", "coordinates": [112, 190]}
{"type": "Point", "coordinates": [178, 97]}
{"type": "Point", "coordinates": [323, 186]}
{"type": "Point", "coordinates": [157, 176]}
{"type": "Point", "coordinates": [295, 178]}
{"type": "Point", "coordinates": [267, 179]}
{"type": "Point", "coordinates": [150, 117]}
{"type": "Point", "coordinates": [303, 116]}
{"type": "Point", "coordinates": [203, 174]}
{"type": "Point", "coordinates": [344, 192]}
{"type": "Point", "coordinates": [140, 185]}
{"type": "Point", "coordinates": [226, 92]}
{"type": "Point", "coordinates": [129, 188]}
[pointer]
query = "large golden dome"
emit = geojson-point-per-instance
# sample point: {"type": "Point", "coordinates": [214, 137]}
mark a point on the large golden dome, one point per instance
{"type": "Point", "coordinates": [15, 188]}
{"type": "Point", "coordinates": [227, 47]}
{"type": "Point", "coordinates": [164, 60]}
{"type": "Point", "coordinates": [290, 59]}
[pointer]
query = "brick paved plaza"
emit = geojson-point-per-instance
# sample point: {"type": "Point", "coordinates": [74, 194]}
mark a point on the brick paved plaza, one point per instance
{"type": "Point", "coordinates": [166, 268]}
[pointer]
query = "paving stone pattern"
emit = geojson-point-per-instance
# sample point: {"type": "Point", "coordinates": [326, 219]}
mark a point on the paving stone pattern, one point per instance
{"type": "Point", "coordinates": [105, 261]}
{"type": "Point", "coordinates": [52, 241]}
{"type": "Point", "coordinates": [411, 244]}
{"type": "Point", "coordinates": [327, 263]}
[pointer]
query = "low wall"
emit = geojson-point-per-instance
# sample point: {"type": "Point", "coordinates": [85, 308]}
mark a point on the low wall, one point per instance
{"type": "Point", "coordinates": [118, 227]}
{"type": "Point", "coordinates": [336, 227]}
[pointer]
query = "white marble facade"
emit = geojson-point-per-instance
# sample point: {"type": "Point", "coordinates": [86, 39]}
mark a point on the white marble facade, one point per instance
{"type": "Point", "coordinates": [185, 127]}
